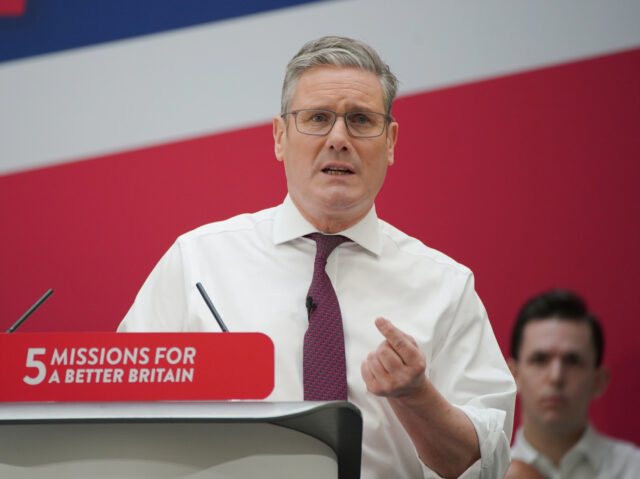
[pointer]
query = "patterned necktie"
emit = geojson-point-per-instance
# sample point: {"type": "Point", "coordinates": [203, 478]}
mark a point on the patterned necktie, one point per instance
{"type": "Point", "coordinates": [324, 366]}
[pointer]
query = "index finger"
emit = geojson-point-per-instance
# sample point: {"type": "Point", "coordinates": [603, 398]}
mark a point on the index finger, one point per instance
{"type": "Point", "coordinates": [403, 344]}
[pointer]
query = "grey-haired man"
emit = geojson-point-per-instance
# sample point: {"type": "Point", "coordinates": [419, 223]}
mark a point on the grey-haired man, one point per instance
{"type": "Point", "coordinates": [422, 362]}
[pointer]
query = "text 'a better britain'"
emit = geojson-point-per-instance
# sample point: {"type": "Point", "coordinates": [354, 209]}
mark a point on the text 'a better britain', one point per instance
{"type": "Point", "coordinates": [156, 364]}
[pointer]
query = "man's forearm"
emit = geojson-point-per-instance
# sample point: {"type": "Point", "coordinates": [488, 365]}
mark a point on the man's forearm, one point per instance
{"type": "Point", "coordinates": [443, 435]}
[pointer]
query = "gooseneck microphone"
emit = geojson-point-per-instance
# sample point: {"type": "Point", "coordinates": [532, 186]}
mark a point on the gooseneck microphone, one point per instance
{"type": "Point", "coordinates": [211, 307]}
{"type": "Point", "coordinates": [30, 311]}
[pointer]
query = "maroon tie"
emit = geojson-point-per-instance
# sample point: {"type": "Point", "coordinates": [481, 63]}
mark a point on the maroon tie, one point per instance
{"type": "Point", "coordinates": [324, 367]}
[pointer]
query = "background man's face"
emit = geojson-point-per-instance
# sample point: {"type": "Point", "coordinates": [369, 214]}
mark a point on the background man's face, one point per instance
{"type": "Point", "coordinates": [336, 173]}
{"type": "Point", "coordinates": [556, 374]}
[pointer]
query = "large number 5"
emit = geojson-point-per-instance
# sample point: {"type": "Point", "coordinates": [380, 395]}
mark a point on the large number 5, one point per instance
{"type": "Point", "coordinates": [34, 363]}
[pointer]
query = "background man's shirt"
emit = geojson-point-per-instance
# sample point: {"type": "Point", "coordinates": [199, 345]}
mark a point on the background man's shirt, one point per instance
{"type": "Point", "coordinates": [593, 457]}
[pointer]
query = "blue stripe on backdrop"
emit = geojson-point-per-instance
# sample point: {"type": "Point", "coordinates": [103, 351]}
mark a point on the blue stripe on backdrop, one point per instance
{"type": "Point", "coordinates": [53, 25]}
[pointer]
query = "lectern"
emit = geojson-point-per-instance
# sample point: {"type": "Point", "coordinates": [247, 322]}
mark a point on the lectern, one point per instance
{"type": "Point", "coordinates": [140, 405]}
{"type": "Point", "coordinates": [235, 439]}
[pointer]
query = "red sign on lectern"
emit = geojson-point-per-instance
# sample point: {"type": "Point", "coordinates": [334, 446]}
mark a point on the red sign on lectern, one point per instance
{"type": "Point", "coordinates": [135, 366]}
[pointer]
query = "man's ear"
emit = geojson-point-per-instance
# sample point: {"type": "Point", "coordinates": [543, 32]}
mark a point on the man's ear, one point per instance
{"type": "Point", "coordinates": [513, 367]}
{"type": "Point", "coordinates": [279, 137]}
{"type": "Point", "coordinates": [392, 138]}
{"type": "Point", "coordinates": [601, 383]}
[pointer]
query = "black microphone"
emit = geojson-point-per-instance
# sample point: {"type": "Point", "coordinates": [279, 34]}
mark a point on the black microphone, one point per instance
{"type": "Point", "coordinates": [211, 307]}
{"type": "Point", "coordinates": [30, 311]}
{"type": "Point", "coordinates": [311, 306]}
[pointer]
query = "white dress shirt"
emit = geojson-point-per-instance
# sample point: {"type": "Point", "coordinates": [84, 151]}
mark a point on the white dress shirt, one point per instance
{"type": "Point", "coordinates": [594, 456]}
{"type": "Point", "coordinates": [257, 268]}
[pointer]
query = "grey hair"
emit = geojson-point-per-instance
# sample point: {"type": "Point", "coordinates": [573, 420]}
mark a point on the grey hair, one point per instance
{"type": "Point", "coordinates": [341, 52]}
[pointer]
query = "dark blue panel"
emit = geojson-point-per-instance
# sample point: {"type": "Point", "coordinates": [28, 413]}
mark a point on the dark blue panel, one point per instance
{"type": "Point", "coordinates": [54, 25]}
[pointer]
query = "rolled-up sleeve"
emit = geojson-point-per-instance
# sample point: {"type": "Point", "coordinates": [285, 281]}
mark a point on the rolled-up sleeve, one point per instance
{"type": "Point", "coordinates": [469, 369]}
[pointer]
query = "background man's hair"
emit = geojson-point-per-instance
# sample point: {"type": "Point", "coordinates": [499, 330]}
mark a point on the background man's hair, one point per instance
{"type": "Point", "coordinates": [557, 304]}
{"type": "Point", "coordinates": [341, 52]}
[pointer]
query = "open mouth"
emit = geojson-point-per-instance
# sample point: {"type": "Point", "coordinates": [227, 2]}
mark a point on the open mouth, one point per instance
{"type": "Point", "coordinates": [335, 170]}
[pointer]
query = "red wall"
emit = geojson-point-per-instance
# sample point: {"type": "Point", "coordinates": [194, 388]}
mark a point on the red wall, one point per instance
{"type": "Point", "coordinates": [529, 179]}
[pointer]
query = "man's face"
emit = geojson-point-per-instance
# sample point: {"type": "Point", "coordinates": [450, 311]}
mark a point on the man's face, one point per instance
{"type": "Point", "coordinates": [556, 374]}
{"type": "Point", "coordinates": [334, 179]}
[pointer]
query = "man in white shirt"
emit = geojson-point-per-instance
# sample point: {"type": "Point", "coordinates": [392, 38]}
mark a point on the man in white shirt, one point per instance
{"type": "Point", "coordinates": [557, 348]}
{"type": "Point", "coordinates": [422, 363]}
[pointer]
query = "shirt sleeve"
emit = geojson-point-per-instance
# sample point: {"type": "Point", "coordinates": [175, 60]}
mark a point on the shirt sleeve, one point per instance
{"type": "Point", "coordinates": [469, 370]}
{"type": "Point", "coordinates": [161, 304]}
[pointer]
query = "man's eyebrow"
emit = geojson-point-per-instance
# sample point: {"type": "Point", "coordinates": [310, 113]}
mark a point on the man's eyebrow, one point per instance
{"type": "Point", "coordinates": [574, 355]}
{"type": "Point", "coordinates": [542, 353]}
{"type": "Point", "coordinates": [348, 109]}
{"type": "Point", "coordinates": [538, 353]}
{"type": "Point", "coordinates": [360, 107]}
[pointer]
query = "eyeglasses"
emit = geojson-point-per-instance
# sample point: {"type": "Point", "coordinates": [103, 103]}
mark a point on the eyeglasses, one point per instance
{"type": "Point", "coordinates": [360, 124]}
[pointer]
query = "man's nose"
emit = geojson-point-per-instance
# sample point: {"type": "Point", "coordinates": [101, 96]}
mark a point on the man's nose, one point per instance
{"type": "Point", "coordinates": [556, 371]}
{"type": "Point", "coordinates": [339, 138]}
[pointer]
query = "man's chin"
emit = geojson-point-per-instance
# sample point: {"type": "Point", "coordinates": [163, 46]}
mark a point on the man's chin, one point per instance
{"type": "Point", "coordinates": [345, 207]}
{"type": "Point", "coordinates": [559, 422]}
{"type": "Point", "coordinates": [342, 211]}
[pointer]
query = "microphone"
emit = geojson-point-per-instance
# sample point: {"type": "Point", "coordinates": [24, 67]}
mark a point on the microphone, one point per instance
{"type": "Point", "coordinates": [311, 306]}
{"type": "Point", "coordinates": [30, 311]}
{"type": "Point", "coordinates": [212, 308]}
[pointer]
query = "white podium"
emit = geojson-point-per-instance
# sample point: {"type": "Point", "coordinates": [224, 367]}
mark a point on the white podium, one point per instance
{"type": "Point", "coordinates": [219, 439]}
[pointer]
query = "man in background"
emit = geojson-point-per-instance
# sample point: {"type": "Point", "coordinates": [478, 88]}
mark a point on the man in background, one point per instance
{"type": "Point", "coordinates": [557, 348]}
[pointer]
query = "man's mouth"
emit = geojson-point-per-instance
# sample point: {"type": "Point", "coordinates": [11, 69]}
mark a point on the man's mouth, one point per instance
{"type": "Point", "coordinates": [553, 401]}
{"type": "Point", "coordinates": [336, 170]}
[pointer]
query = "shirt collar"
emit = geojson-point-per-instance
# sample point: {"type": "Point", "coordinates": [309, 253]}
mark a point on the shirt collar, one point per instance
{"type": "Point", "coordinates": [289, 224]}
{"type": "Point", "coordinates": [523, 450]}
{"type": "Point", "coordinates": [588, 446]}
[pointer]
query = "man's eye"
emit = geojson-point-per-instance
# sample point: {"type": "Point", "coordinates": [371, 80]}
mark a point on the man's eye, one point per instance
{"type": "Point", "coordinates": [572, 360]}
{"type": "Point", "coordinates": [539, 359]}
{"type": "Point", "coordinates": [360, 119]}
{"type": "Point", "coordinates": [319, 118]}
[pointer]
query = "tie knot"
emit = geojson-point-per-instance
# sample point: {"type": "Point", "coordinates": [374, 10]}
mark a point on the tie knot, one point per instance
{"type": "Point", "coordinates": [326, 244]}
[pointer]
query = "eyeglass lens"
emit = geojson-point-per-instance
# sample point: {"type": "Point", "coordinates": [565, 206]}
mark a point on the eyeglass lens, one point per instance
{"type": "Point", "coordinates": [359, 123]}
